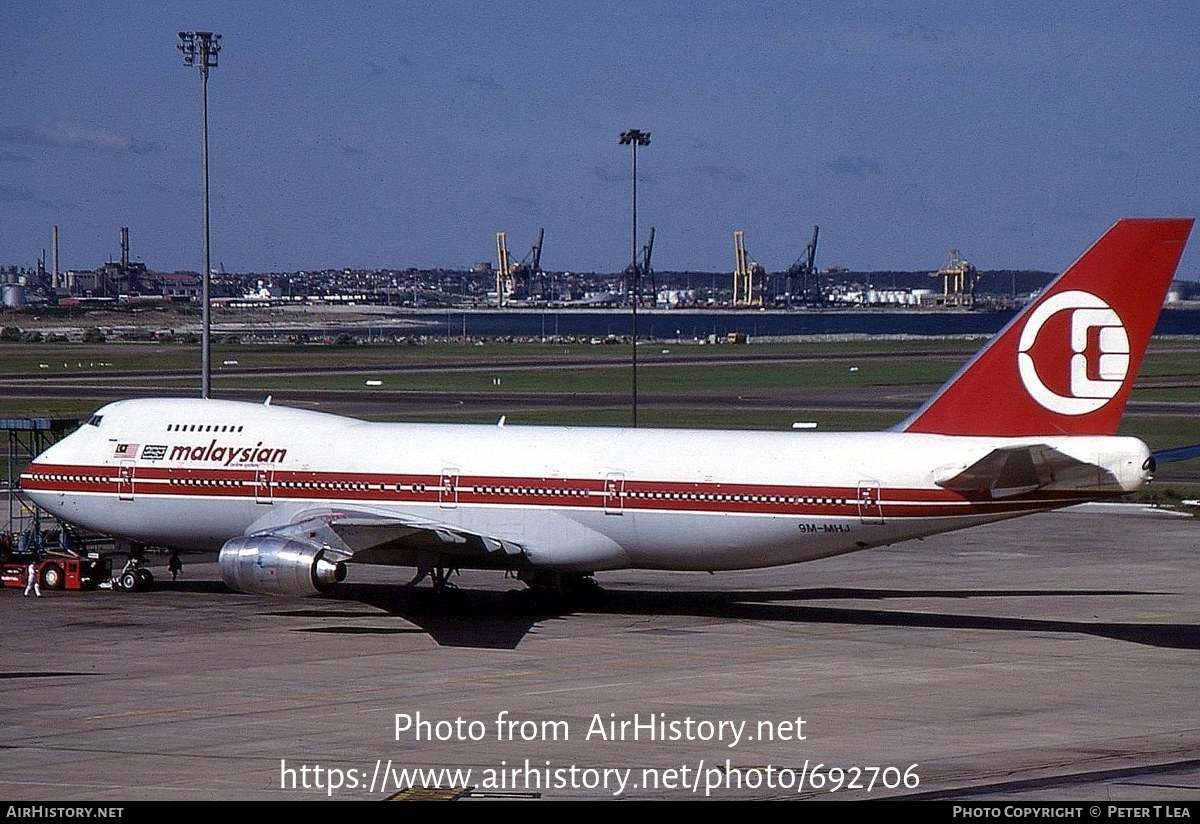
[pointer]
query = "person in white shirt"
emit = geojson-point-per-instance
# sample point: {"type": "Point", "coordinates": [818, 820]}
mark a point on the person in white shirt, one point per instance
{"type": "Point", "coordinates": [32, 584]}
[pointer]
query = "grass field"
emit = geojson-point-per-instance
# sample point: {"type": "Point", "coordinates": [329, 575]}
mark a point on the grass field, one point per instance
{"type": "Point", "coordinates": [538, 370]}
{"type": "Point", "coordinates": [591, 382]}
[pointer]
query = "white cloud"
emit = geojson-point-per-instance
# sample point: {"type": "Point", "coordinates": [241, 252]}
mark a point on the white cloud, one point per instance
{"type": "Point", "coordinates": [75, 136]}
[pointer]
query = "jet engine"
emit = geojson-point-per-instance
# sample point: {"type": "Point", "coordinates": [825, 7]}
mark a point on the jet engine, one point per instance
{"type": "Point", "coordinates": [271, 565]}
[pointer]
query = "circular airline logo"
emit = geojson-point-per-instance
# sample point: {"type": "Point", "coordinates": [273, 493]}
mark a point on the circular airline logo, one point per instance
{"type": "Point", "coordinates": [1099, 360]}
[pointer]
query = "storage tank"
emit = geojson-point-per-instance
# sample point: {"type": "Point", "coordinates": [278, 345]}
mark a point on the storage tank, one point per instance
{"type": "Point", "coordinates": [14, 296]}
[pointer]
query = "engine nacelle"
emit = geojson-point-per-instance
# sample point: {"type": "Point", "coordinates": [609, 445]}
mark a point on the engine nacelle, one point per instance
{"type": "Point", "coordinates": [269, 565]}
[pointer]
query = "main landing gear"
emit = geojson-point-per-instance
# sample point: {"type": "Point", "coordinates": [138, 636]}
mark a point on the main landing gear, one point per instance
{"type": "Point", "coordinates": [545, 592]}
{"type": "Point", "coordinates": [562, 590]}
{"type": "Point", "coordinates": [439, 575]}
{"type": "Point", "coordinates": [133, 577]}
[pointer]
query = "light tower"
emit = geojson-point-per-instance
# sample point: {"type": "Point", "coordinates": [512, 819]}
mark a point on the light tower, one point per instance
{"type": "Point", "coordinates": [634, 138]}
{"type": "Point", "coordinates": [200, 48]}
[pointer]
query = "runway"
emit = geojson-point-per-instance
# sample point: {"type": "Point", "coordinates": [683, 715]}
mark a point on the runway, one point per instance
{"type": "Point", "coordinates": [898, 401]}
{"type": "Point", "coordinates": [93, 390]}
{"type": "Point", "coordinates": [1053, 657]}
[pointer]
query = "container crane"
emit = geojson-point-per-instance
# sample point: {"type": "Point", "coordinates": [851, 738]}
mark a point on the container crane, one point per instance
{"type": "Point", "coordinates": [647, 250]}
{"type": "Point", "coordinates": [959, 278]}
{"type": "Point", "coordinates": [805, 271]}
{"type": "Point", "coordinates": [504, 281]}
{"type": "Point", "coordinates": [745, 291]}
{"type": "Point", "coordinates": [535, 262]}
{"type": "Point", "coordinates": [514, 280]}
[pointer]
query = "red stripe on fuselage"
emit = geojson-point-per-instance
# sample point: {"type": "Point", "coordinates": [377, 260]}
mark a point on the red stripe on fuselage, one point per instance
{"type": "Point", "coordinates": [571, 493]}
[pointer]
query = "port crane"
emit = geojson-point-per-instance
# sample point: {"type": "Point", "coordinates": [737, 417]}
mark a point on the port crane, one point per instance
{"type": "Point", "coordinates": [747, 274]}
{"type": "Point", "coordinates": [514, 280]}
{"type": "Point", "coordinates": [804, 270]}
{"type": "Point", "coordinates": [959, 278]}
{"type": "Point", "coordinates": [647, 250]}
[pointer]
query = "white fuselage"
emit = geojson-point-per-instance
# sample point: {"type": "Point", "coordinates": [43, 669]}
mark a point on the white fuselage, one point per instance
{"type": "Point", "coordinates": [191, 473]}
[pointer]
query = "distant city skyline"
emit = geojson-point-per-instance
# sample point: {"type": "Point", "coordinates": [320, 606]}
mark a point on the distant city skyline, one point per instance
{"type": "Point", "coordinates": [367, 135]}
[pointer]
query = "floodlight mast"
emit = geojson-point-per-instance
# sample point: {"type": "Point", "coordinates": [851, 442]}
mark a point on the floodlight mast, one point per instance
{"type": "Point", "coordinates": [200, 49]}
{"type": "Point", "coordinates": [634, 138]}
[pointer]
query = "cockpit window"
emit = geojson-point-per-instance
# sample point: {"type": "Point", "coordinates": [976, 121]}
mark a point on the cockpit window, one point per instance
{"type": "Point", "coordinates": [95, 420]}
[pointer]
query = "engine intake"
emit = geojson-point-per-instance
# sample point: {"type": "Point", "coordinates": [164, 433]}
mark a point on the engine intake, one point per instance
{"type": "Point", "coordinates": [269, 565]}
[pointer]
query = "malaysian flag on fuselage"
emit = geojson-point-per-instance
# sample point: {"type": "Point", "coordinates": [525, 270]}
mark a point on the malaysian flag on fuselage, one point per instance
{"type": "Point", "coordinates": [126, 450]}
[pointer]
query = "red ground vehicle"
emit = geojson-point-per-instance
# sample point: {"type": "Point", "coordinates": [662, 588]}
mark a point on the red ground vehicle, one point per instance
{"type": "Point", "coordinates": [56, 571]}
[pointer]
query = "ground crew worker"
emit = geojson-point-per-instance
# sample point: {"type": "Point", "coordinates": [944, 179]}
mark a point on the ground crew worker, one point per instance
{"type": "Point", "coordinates": [31, 580]}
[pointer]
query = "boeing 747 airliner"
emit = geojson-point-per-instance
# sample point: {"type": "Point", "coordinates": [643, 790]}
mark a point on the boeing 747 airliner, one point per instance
{"type": "Point", "coordinates": [290, 497]}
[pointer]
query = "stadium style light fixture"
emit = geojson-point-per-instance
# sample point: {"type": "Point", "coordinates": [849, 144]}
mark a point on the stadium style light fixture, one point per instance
{"type": "Point", "coordinates": [634, 138]}
{"type": "Point", "coordinates": [200, 49]}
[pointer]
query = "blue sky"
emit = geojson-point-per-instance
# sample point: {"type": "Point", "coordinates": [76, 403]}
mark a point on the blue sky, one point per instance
{"type": "Point", "coordinates": [367, 134]}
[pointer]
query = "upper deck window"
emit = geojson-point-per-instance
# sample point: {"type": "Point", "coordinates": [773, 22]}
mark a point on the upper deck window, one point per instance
{"type": "Point", "coordinates": [95, 420]}
{"type": "Point", "coordinates": [193, 427]}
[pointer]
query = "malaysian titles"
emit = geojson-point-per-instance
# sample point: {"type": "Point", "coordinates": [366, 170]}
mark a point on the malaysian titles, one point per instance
{"type": "Point", "coordinates": [228, 454]}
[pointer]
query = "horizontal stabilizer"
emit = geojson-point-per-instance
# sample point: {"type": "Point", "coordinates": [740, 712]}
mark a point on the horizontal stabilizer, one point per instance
{"type": "Point", "coordinates": [1009, 471]}
{"type": "Point", "coordinates": [1179, 453]}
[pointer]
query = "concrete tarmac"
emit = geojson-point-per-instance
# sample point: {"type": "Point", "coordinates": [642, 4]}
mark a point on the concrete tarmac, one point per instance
{"type": "Point", "coordinates": [1055, 657]}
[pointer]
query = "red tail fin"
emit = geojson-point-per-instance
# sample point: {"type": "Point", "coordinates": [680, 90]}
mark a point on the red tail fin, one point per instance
{"type": "Point", "coordinates": [1065, 365]}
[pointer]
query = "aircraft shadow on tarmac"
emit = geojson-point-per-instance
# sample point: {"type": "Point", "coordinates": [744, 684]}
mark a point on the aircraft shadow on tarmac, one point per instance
{"type": "Point", "coordinates": [193, 586]}
{"type": "Point", "coordinates": [501, 620]}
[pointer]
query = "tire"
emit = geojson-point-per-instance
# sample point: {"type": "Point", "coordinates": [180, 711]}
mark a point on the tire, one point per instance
{"type": "Point", "coordinates": [145, 579]}
{"type": "Point", "coordinates": [130, 582]}
{"type": "Point", "coordinates": [53, 577]}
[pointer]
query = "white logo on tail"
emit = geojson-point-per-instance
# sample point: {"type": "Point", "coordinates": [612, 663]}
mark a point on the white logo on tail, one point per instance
{"type": "Point", "coordinates": [1087, 312]}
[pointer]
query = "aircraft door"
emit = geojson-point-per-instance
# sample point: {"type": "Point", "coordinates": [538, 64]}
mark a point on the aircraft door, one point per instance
{"type": "Point", "coordinates": [614, 493]}
{"type": "Point", "coordinates": [448, 488]}
{"type": "Point", "coordinates": [125, 474]}
{"type": "Point", "coordinates": [870, 509]}
{"type": "Point", "coordinates": [264, 482]}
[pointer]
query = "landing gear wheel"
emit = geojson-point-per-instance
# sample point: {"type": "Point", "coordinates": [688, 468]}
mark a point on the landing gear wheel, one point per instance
{"type": "Point", "coordinates": [145, 579]}
{"type": "Point", "coordinates": [583, 590]}
{"type": "Point", "coordinates": [129, 581]}
{"type": "Point", "coordinates": [554, 592]}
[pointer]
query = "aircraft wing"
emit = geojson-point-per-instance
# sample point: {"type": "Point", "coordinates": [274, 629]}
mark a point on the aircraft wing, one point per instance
{"type": "Point", "coordinates": [1015, 470]}
{"type": "Point", "coordinates": [289, 552]}
{"type": "Point", "coordinates": [387, 538]}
